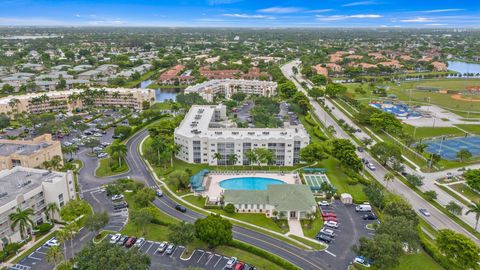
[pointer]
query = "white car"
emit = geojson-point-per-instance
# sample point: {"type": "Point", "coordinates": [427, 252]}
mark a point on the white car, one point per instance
{"type": "Point", "coordinates": [162, 247]}
{"type": "Point", "coordinates": [53, 242]}
{"type": "Point", "coordinates": [115, 238]}
{"type": "Point", "coordinates": [323, 203]}
{"type": "Point", "coordinates": [98, 135]}
{"type": "Point", "coordinates": [424, 212]}
{"type": "Point", "coordinates": [327, 232]}
{"type": "Point", "coordinates": [231, 262]}
{"type": "Point", "coordinates": [332, 224]}
{"type": "Point", "coordinates": [67, 143]}
{"type": "Point", "coordinates": [362, 261]}
{"type": "Point", "coordinates": [102, 155]}
{"type": "Point", "coordinates": [139, 242]}
{"type": "Point", "coordinates": [371, 166]}
{"type": "Point", "coordinates": [117, 197]}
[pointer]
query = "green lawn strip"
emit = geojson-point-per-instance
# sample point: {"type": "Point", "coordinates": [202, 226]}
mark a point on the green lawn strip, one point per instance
{"type": "Point", "coordinates": [475, 129]}
{"type": "Point", "coordinates": [429, 132]}
{"type": "Point", "coordinates": [312, 230]}
{"type": "Point", "coordinates": [419, 260]}
{"type": "Point", "coordinates": [247, 257]}
{"type": "Point", "coordinates": [453, 194]}
{"type": "Point", "coordinates": [466, 191]}
{"type": "Point", "coordinates": [317, 245]}
{"type": "Point", "coordinates": [195, 200]}
{"type": "Point", "coordinates": [34, 247]}
{"type": "Point", "coordinates": [105, 170]}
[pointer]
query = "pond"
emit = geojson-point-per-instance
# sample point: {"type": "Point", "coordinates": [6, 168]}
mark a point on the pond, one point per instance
{"type": "Point", "coordinates": [464, 67]}
{"type": "Point", "coordinates": [162, 93]}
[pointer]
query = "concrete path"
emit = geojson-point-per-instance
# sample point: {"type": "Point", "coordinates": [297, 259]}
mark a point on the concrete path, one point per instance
{"type": "Point", "coordinates": [295, 227]}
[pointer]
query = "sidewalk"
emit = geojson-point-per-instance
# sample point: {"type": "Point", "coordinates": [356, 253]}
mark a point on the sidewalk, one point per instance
{"type": "Point", "coordinates": [295, 227]}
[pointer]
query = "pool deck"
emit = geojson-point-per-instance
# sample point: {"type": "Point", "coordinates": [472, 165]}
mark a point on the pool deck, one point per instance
{"type": "Point", "coordinates": [212, 180]}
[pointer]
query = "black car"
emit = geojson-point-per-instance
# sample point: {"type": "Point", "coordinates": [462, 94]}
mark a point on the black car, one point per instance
{"type": "Point", "coordinates": [120, 205]}
{"type": "Point", "coordinates": [122, 240]}
{"type": "Point", "coordinates": [324, 238]}
{"type": "Point", "coordinates": [360, 149]}
{"type": "Point", "coordinates": [370, 216]}
{"type": "Point", "coordinates": [181, 208]}
{"type": "Point", "coordinates": [249, 267]}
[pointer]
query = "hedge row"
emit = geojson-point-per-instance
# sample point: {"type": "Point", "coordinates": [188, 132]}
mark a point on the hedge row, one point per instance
{"type": "Point", "coordinates": [93, 118]}
{"type": "Point", "coordinates": [264, 254]}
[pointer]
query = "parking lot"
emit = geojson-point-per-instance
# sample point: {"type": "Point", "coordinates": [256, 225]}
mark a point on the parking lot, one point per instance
{"type": "Point", "coordinates": [33, 261]}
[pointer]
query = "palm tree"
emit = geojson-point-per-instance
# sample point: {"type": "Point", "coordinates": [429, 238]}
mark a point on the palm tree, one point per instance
{"type": "Point", "coordinates": [54, 254]}
{"type": "Point", "coordinates": [22, 219]}
{"type": "Point", "coordinates": [55, 162]}
{"type": "Point", "coordinates": [173, 149]}
{"type": "Point", "coordinates": [474, 208]}
{"type": "Point", "coordinates": [118, 150]}
{"type": "Point", "coordinates": [232, 159]}
{"type": "Point", "coordinates": [159, 145]}
{"type": "Point", "coordinates": [251, 157]}
{"type": "Point", "coordinates": [63, 236]}
{"type": "Point", "coordinates": [217, 156]}
{"type": "Point", "coordinates": [50, 211]}
{"type": "Point", "coordinates": [72, 229]}
{"type": "Point", "coordinates": [389, 176]}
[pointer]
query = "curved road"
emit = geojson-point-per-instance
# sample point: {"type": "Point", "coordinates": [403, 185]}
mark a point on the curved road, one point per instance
{"type": "Point", "coordinates": [139, 171]}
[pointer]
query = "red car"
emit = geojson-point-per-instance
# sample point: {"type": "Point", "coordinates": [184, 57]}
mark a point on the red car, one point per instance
{"type": "Point", "coordinates": [239, 266]}
{"type": "Point", "coordinates": [130, 242]}
{"type": "Point", "coordinates": [329, 214]}
{"type": "Point", "coordinates": [330, 219]}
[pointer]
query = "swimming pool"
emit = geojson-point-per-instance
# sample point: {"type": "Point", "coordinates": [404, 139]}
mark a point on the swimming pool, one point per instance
{"type": "Point", "coordinates": [249, 183]}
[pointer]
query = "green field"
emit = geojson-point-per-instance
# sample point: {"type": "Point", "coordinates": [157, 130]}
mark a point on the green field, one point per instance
{"type": "Point", "coordinates": [417, 261]}
{"type": "Point", "coordinates": [105, 170]}
{"type": "Point", "coordinates": [466, 191]}
{"type": "Point", "coordinates": [474, 129]}
{"type": "Point", "coordinates": [428, 132]}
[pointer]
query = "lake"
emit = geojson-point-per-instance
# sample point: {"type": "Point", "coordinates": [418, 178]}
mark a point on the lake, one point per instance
{"type": "Point", "coordinates": [162, 94]}
{"type": "Point", "coordinates": [464, 67]}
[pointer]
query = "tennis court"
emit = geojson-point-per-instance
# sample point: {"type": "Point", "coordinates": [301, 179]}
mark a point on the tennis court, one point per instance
{"type": "Point", "coordinates": [314, 181]}
{"type": "Point", "coordinates": [448, 148]}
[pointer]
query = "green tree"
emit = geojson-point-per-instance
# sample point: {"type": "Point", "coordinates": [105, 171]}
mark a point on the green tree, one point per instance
{"type": "Point", "coordinates": [388, 177]}
{"type": "Point", "coordinates": [141, 218]}
{"type": "Point", "coordinates": [123, 131]}
{"type": "Point", "coordinates": [144, 196]}
{"type": "Point", "coordinates": [213, 230]}
{"type": "Point", "coordinates": [420, 147]}
{"type": "Point", "coordinates": [105, 256]}
{"type": "Point", "coordinates": [386, 152]}
{"type": "Point", "coordinates": [287, 89]}
{"type": "Point", "coordinates": [179, 179]}
{"type": "Point", "coordinates": [316, 92]}
{"type": "Point", "coordinates": [54, 255]}
{"type": "Point", "coordinates": [229, 208]}
{"type": "Point", "coordinates": [314, 152]}
{"type": "Point", "coordinates": [399, 207]}
{"type": "Point", "coordinates": [344, 151]}
{"type": "Point", "coordinates": [73, 209]}
{"type": "Point", "coordinates": [474, 208]}
{"type": "Point", "coordinates": [181, 233]}
{"type": "Point", "coordinates": [335, 89]}
{"type": "Point", "coordinates": [464, 155]}
{"type": "Point", "coordinates": [22, 219]}
{"type": "Point", "coordinates": [232, 159]}
{"type": "Point", "coordinates": [401, 229]}
{"type": "Point", "coordinates": [251, 157]}
{"type": "Point", "coordinates": [375, 194]}
{"type": "Point", "coordinates": [92, 143]}
{"type": "Point", "coordinates": [118, 150]}
{"type": "Point", "coordinates": [458, 249]}
{"type": "Point", "coordinates": [50, 211]}
{"type": "Point", "coordinates": [431, 195]}
{"type": "Point", "coordinates": [4, 121]}
{"type": "Point", "coordinates": [454, 208]}
{"type": "Point", "coordinates": [386, 122]}
{"type": "Point", "coordinates": [319, 79]}
{"type": "Point", "coordinates": [96, 221]}
{"type": "Point", "coordinates": [473, 178]}
{"type": "Point", "coordinates": [414, 180]}
{"type": "Point", "coordinates": [383, 249]}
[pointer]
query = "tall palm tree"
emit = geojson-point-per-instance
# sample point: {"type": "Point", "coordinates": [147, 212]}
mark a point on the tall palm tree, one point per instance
{"type": "Point", "coordinates": [72, 229]}
{"type": "Point", "coordinates": [22, 219]}
{"type": "Point", "coordinates": [50, 211]}
{"type": "Point", "coordinates": [63, 236]}
{"type": "Point", "coordinates": [118, 150]}
{"type": "Point", "coordinates": [474, 208]}
{"type": "Point", "coordinates": [232, 159]}
{"type": "Point", "coordinates": [388, 177]}
{"type": "Point", "coordinates": [217, 156]}
{"type": "Point", "coordinates": [251, 157]}
{"type": "Point", "coordinates": [55, 162]}
{"type": "Point", "coordinates": [54, 254]}
{"type": "Point", "coordinates": [173, 149]}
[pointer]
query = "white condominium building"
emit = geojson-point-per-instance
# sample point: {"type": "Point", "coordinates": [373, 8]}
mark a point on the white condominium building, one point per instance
{"type": "Point", "coordinates": [24, 188]}
{"type": "Point", "coordinates": [205, 130]}
{"type": "Point", "coordinates": [207, 90]}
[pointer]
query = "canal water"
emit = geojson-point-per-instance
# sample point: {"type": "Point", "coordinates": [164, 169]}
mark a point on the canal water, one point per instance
{"type": "Point", "coordinates": [463, 67]}
{"type": "Point", "coordinates": [162, 94]}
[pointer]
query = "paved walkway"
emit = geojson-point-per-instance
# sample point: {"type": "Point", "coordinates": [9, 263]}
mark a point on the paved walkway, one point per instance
{"type": "Point", "coordinates": [295, 227]}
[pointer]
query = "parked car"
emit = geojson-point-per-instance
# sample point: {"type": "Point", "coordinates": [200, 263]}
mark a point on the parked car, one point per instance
{"type": "Point", "coordinates": [332, 224]}
{"type": "Point", "coordinates": [370, 216]}
{"type": "Point", "coordinates": [327, 232]}
{"type": "Point", "coordinates": [159, 192]}
{"type": "Point", "coordinates": [239, 266]}
{"type": "Point", "coordinates": [181, 208]}
{"type": "Point", "coordinates": [326, 219]}
{"type": "Point", "coordinates": [162, 247]}
{"type": "Point", "coordinates": [329, 214]}
{"type": "Point", "coordinates": [363, 208]}
{"type": "Point", "coordinates": [102, 155]}
{"type": "Point", "coordinates": [170, 249]}
{"type": "Point", "coordinates": [115, 238]}
{"type": "Point", "coordinates": [122, 240]}
{"type": "Point", "coordinates": [323, 203]}
{"type": "Point", "coordinates": [53, 242]}
{"type": "Point", "coordinates": [371, 166]}
{"type": "Point", "coordinates": [139, 242]}
{"type": "Point", "coordinates": [249, 267]}
{"type": "Point", "coordinates": [117, 197]}
{"type": "Point", "coordinates": [120, 205]}
{"type": "Point", "coordinates": [130, 242]}
{"type": "Point", "coordinates": [231, 262]}
{"type": "Point", "coordinates": [362, 261]}
{"type": "Point", "coordinates": [98, 134]}
{"type": "Point", "coordinates": [360, 149]}
{"type": "Point", "coordinates": [97, 149]}
{"type": "Point", "coordinates": [324, 238]}
{"type": "Point", "coordinates": [424, 212]}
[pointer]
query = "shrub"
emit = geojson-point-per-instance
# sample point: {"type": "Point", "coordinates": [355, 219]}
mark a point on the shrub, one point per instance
{"type": "Point", "coordinates": [229, 208]}
{"type": "Point", "coordinates": [352, 181]}
{"type": "Point", "coordinates": [42, 228]}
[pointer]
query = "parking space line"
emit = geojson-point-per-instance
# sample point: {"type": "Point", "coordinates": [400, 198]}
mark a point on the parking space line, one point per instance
{"type": "Point", "coordinates": [219, 259]}
{"type": "Point", "coordinates": [151, 244]}
{"type": "Point", "coordinates": [209, 258]}
{"type": "Point", "coordinates": [330, 253]}
{"type": "Point", "coordinates": [201, 256]}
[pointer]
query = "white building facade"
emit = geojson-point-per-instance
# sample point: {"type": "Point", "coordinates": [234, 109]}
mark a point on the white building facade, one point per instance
{"type": "Point", "coordinates": [205, 131]}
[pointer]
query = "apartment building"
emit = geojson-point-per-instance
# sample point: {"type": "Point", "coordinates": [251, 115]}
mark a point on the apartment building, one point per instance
{"type": "Point", "coordinates": [206, 130]}
{"type": "Point", "coordinates": [24, 188]}
{"type": "Point", "coordinates": [228, 87]}
{"type": "Point", "coordinates": [69, 100]}
{"type": "Point", "coordinates": [28, 153]}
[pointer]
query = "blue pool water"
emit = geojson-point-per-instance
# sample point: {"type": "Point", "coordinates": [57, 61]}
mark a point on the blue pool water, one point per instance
{"type": "Point", "coordinates": [249, 183]}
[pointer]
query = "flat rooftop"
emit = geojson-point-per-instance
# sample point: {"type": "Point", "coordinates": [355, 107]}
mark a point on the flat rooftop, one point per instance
{"type": "Point", "coordinates": [21, 180]}
{"type": "Point", "coordinates": [6, 149]}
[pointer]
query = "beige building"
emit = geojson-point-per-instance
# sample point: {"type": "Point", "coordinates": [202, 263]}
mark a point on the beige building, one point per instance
{"type": "Point", "coordinates": [69, 100]}
{"type": "Point", "coordinates": [24, 188]}
{"type": "Point", "coordinates": [31, 153]}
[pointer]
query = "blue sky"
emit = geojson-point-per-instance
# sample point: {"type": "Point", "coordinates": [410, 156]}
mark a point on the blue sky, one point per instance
{"type": "Point", "coordinates": [243, 13]}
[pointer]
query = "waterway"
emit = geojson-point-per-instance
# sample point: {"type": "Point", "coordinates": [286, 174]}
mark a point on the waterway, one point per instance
{"type": "Point", "coordinates": [464, 67]}
{"type": "Point", "coordinates": [162, 94]}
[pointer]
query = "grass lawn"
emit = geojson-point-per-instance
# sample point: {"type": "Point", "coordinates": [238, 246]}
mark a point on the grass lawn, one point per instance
{"type": "Point", "coordinates": [428, 132]}
{"type": "Point", "coordinates": [417, 261]}
{"type": "Point", "coordinates": [249, 258]}
{"type": "Point", "coordinates": [311, 231]}
{"type": "Point", "coordinates": [105, 170]}
{"type": "Point", "coordinates": [475, 129]}
{"type": "Point", "coordinates": [195, 200]}
{"type": "Point", "coordinates": [255, 219]}
{"type": "Point", "coordinates": [317, 245]}
{"type": "Point", "coordinates": [339, 180]}
{"type": "Point", "coordinates": [466, 191]}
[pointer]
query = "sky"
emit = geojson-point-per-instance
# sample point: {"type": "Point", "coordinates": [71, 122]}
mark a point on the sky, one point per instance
{"type": "Point", "coordinates": [243, 13]}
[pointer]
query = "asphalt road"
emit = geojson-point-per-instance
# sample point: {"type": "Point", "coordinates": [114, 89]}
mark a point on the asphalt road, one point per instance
{"type": "Point", "coordinates": [437, 219]}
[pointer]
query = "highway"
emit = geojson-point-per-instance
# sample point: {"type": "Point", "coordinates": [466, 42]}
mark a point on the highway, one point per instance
{"type": "Point", "coordinates": [437, 219]}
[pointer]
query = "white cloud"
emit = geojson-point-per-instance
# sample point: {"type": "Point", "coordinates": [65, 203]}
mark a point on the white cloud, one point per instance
{"type": "Point", "coordinates": [28, 21]}
{"type": "Point", "coordinates": [417, 20]}
{"type": "Point", "coordinates": [436, 24]}
{"type": "Point", "coordinates": [78, 15]}
{"type": "Point", "coordinates": [319, 10]}
{"type": "Point", "coordinates": [247, 16]}
{"type": "Point", "coordinates": [345, 17]}
{"type": "Point", "coordinates": [443, 10]}
{"type": "Point", "coordinates": [360, 3]}
{"type": "Point", "coordinates": [280, 10]}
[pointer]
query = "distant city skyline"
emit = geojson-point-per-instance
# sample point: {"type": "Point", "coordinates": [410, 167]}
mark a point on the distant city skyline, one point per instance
{"type": "Point", "coordinates": [243, 13]}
